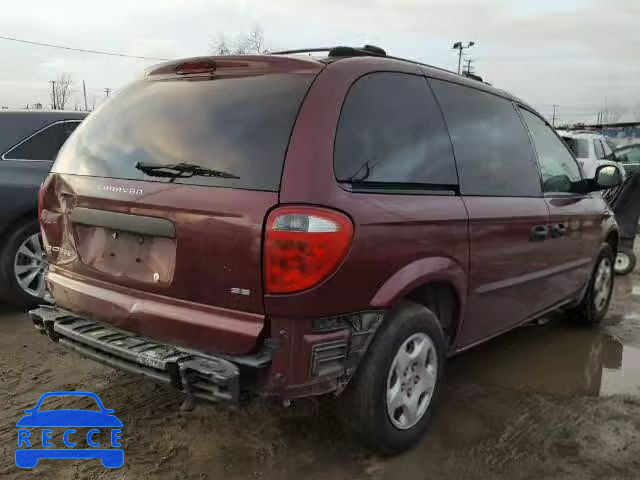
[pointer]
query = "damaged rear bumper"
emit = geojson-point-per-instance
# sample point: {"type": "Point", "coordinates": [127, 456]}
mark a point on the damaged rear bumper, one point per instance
{"type": "Point", "coordinates": [201, 376]}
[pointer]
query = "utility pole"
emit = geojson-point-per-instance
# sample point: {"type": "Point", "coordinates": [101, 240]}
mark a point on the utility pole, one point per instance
{"type": "Point", "coordinates": [553, 121]}
{"type": "Point", "coordinates": [53, 93]}
{"type": "Point", "coordinates": [460, 47]}
{"type": "Point", "coordinates": [84, 92]}
{"type": "Point", "coordinates": [469, 68]}
{"type": "Point", "coordinates": [107, 91]}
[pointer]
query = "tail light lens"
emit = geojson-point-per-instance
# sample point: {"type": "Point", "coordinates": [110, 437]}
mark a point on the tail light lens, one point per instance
{"type": "Point", "coordinates": [303, 246]}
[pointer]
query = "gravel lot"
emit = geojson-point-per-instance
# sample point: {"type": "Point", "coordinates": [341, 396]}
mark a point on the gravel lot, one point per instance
{"type": "Point", "coordinates": [551, 401]}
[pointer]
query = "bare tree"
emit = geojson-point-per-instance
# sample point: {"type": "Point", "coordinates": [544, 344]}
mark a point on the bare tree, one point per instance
{"type": "Point", "coordinates": [242, 44]}
{"type": "Point", "coordinates": [253, 42]}
{"type": "Point", "coordinates": [61, 91]}
{"type": "Point", "coordinates": [221, 46]}
{"type": "Point", "coordinates": [91, 100]}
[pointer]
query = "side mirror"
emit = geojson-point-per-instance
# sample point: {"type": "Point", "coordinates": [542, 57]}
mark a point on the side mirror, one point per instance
{"type": "Point", "coordinates": [607, 176]}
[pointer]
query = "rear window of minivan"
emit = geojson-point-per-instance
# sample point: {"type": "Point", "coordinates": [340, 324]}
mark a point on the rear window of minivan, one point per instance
{"type": "Point", "coordinates": [234, 130]}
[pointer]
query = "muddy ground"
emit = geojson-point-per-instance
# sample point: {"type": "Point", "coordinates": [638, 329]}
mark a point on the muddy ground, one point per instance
{"type": "Point", "coordinates": [551, 401]}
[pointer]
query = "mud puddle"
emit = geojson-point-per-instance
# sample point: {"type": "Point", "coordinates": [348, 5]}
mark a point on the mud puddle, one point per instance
{"type": "Point", "coordinates": [559, 358]}
{"type": "Point", "coordinates": [555, 359]}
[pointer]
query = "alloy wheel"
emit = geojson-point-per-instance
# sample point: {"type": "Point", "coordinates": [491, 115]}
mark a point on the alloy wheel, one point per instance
{"type": "Point", "coordinates": [602, 284]}
{"type": "Point", "coordinates": [30, 265]}
{"type": "Point", "coordinates": [411, 381]}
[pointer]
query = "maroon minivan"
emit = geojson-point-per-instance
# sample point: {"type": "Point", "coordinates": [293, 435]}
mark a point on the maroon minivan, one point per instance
{"type": "Point", "coordinates": [289, 226]}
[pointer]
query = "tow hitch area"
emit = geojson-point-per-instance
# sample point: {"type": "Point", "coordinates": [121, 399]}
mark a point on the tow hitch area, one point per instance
{"type": "Point", "coordinates": [199, 376]}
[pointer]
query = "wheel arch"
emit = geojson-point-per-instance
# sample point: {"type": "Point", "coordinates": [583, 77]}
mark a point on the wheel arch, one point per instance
{"type": "Point", "coordinates": [30, 213]}
{"type": "Point", "coordinates": [438, 283]}
{"type": "Point", "coordinates": [612, 238]}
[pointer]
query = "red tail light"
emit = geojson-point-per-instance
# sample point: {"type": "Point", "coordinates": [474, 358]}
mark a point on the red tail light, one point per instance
{"type": "Point", "coordinates": [303, 246]}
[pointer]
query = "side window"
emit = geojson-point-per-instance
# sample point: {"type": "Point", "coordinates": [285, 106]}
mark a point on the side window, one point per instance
{"type": "Point", "coordinates": [391, 131]}
{"type": "Point", "coordinates": [599, 149]}
{"type": "Point", "coordinates": [557, 165]}
{"type": "Point", "coordinates": [492, 149]}
{"type": "Point", "coordinates": [579, 146]}
{"type": "Point", "coordinates": [67, 130]}
{"type": "Point", "coordinates": [44, 145]}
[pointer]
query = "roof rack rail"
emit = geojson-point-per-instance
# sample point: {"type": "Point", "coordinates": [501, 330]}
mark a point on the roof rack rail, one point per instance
{"type": "Point", "coordinates": [339, 51]}
{"type": "Point", "coordinates": [366, 51]}
{"type": "Point", "coordinates": [301, 50]}
{"type": "Point", "coordinates": [472, 76]}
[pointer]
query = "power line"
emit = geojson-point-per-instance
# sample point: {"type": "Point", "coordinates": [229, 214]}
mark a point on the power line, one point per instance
{"type": "Point", "coordinates": [112, 54]}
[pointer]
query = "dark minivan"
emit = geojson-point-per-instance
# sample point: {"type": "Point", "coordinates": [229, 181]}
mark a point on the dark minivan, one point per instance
{"type": "Point", "coordinates": [289, 226]}
{"type": "Point", "coordinates": [29, 143]}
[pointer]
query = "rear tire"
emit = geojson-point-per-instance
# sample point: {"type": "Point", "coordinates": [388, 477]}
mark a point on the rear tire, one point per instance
{"type": "Point", "coordinates": [593, 306]}
{"type": "Point", "coordinates": [625, 262]}
{"type": "Point", "coordinates": [20, 251]}
{"type": "Point", "coordinates": [389, 402]}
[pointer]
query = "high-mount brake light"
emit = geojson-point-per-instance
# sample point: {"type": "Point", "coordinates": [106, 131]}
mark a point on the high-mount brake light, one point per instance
{"type": "Point", "coordinates": [188, 68]}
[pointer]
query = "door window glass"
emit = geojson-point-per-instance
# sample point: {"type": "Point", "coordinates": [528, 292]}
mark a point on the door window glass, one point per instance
{"type": "Point", "coordinates": [491, 146]}
{"type": "Point", "coordinates": [559, 168]}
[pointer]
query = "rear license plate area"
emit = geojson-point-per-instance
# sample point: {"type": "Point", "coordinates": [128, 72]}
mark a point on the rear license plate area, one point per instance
{"type": "Point", "coordinates": [125, 255]}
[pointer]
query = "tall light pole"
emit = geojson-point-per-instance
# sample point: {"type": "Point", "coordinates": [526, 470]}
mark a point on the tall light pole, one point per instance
{"type": "Point", "coordinates": [460, 47]}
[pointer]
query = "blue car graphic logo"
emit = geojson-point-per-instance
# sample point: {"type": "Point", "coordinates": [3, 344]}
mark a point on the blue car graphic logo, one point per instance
{"type": "Point", "coordinates": [31, 447]}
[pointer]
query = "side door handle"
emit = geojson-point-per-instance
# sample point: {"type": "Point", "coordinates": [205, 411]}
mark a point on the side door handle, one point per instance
{"type": "Point", "coordinates": [539, 233]}
{"type": "Point", "coordinates": [558, 230]}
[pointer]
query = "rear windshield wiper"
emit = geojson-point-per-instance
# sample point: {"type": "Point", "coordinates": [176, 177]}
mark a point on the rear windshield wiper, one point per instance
{"type": "Point", "coordinates": [181, 170]}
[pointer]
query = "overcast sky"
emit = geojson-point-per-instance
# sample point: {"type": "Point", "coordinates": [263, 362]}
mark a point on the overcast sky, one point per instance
{"type": "Point", "coordinates": [583, 55]}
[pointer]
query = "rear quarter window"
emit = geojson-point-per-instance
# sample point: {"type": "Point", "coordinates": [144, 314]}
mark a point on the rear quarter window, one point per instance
{"type": "Point", "coordinates": [44, 144]}
{"type": "Point", "coordinates": [391, 132]}
{"type": "Point", "coordinates": [16, 127]}
{"type": "Point", "coordinates": [240, 126]}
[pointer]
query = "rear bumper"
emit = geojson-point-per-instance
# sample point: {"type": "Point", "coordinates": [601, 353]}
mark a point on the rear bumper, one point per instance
{"type": "Point", "coordinates": [201, 376]}
{"type": "Point", "coordinates": [305, 357]}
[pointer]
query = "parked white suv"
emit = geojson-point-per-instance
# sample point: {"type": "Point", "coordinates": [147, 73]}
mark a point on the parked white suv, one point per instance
{"type": "Point", "coordinates": [590, 149]}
